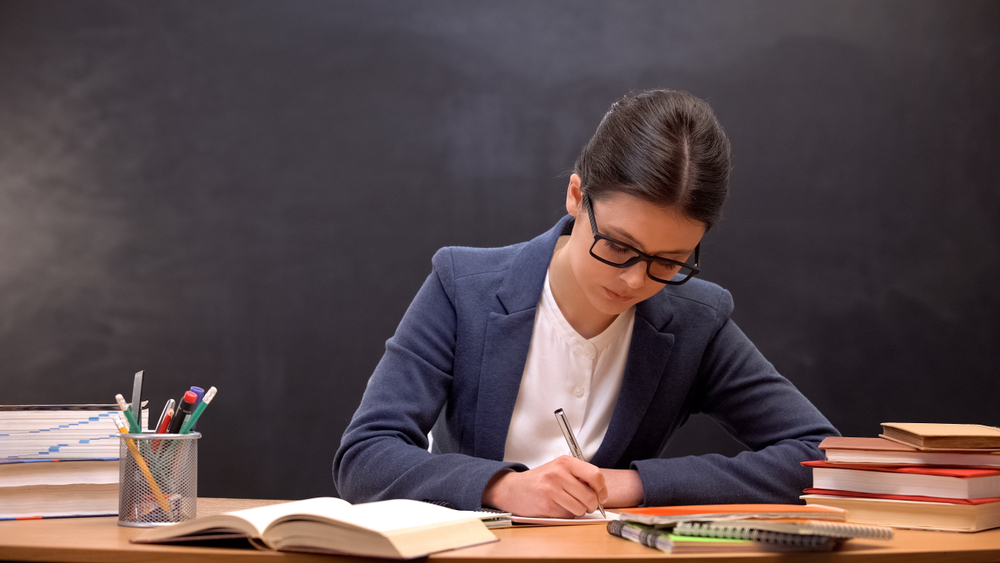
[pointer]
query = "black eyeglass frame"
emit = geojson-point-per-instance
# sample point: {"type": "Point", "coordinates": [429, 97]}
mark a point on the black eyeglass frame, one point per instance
{"type": "Point", "coordinates": [642, 256]}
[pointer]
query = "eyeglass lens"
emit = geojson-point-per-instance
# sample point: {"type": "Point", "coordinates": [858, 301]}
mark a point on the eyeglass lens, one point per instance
{"type": "Point", "coordinates": [619, 255]}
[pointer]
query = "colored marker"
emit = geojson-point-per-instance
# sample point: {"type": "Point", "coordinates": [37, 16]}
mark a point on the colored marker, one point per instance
{"type": "Point", "coordinates": [142, 465]}
{"type": "Point", "coordinates": [183, 410]}
{"type": "Point", "coordinates": [200, 393]}
{"type": "Point", "coordinates": [133, 426]}
{"type": "Point", "coordinates": [190, 422]}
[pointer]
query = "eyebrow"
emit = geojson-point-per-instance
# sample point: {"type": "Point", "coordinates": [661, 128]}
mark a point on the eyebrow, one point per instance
{"type": "Point", "coordinates": [636, 244]}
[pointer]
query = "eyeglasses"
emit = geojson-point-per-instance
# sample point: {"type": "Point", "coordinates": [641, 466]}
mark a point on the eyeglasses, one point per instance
{"type": "Point", "coordinates": [620, 255]}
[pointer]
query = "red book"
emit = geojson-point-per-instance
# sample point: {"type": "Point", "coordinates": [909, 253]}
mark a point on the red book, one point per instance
{"type": "Point", "coordinates": [945, 482]}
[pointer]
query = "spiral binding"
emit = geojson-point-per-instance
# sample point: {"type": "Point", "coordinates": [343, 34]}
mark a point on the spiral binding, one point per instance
{"type": "Point", "coordinates": [736, 532]}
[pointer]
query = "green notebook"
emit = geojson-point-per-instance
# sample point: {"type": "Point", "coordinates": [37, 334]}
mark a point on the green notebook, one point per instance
{"type": "Point", "coordinates": [680, 544]}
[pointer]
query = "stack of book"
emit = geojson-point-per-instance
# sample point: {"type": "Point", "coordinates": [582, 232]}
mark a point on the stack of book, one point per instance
{"type": "Point", "coordinates": [58, 461]}
{"type": "Point", "coordinates": [726, 528]}
{"type": "Point", "coordinates": [925, 476]}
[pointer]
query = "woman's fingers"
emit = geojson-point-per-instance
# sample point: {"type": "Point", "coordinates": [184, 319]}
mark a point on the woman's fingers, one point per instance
{"type": "Point", "coordinates": [582, 484]}
{"type": "Point", "coordinates": [563, 488]}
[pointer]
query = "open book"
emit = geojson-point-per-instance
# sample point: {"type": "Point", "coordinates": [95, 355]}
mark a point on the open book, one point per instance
{"type": "Point", "coordinates": [400, 529]}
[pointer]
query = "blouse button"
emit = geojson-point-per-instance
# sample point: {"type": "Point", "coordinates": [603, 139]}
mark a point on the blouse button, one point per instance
{"type": "Point", "coordinates": [578, 391]}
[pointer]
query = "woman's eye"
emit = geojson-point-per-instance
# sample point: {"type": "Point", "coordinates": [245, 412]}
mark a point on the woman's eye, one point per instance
{"type": "Point", "coordinates": [668, 266]}
{"type": "Point", "coordinates": [616, 248]}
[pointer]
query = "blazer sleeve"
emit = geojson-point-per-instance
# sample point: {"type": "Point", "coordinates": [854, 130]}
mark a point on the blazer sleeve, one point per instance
{"type": "Point", "coordinates": [744, 393]}
{"type": "Point", "coordinates": [383, 453]}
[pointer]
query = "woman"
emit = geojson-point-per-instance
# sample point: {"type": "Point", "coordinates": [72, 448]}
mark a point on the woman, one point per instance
{"type": "Point", "coordinates": [599, 316]}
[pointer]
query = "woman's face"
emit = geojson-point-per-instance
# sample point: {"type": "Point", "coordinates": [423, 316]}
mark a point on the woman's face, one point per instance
{"type": "Point", "coordinates": [660, 231]}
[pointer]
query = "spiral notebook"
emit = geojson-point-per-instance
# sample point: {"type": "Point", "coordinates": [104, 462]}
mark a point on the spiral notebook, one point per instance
{"type": "Point", "coordinates": [677, 543]}
{"type": "Point", "coordinates": [782, 531]}
{"type": "Point", "coordinates": [665, 516]}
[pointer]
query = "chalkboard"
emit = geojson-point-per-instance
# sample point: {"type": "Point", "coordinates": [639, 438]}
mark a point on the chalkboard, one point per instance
{"type": "Point", "coordinates": [247, 195]}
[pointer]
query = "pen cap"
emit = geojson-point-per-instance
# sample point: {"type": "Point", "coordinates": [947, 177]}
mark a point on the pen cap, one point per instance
{"type": "Point", "coordinates": [189, 398]}
{"type": "Point", "coordinates": [198, 393]}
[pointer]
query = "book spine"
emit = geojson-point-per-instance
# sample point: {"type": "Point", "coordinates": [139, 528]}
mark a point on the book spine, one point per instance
{"type": "Point", "coordinates": [738, 532]}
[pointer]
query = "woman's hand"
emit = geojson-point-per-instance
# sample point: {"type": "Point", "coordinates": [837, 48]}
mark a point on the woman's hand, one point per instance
{"type": "Point", "coordinates": [562, 488]}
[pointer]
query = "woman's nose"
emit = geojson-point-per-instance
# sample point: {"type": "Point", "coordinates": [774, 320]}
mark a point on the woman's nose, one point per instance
{"type": "Point", "coordinates": [635, 275]}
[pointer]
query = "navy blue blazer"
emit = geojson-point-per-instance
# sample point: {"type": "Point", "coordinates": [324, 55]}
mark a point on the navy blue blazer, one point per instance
{"type": "Point", "coordinates": [455, 364]}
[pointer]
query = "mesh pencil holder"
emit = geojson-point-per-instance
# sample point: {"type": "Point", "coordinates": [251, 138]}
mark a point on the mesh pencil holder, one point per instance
{"type": "Point", "coordinates": [158, 479]}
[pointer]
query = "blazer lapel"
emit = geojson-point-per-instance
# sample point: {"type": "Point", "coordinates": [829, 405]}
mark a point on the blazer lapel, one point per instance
{"type": "Point", "coordinates": [507, 339]}
{"type": "Point", "coordinates": [648, 354]}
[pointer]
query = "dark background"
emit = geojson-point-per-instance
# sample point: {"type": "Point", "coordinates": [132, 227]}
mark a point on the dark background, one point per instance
{"type": "Point", "coordinates": [248, 194]}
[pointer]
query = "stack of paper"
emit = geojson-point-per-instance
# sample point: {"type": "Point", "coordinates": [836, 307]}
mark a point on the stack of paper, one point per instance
{"type": "Point", "coordinates": [58, 432]}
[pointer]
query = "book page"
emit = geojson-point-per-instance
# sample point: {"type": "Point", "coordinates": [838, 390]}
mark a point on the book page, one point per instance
{"type": "Point", "coordinates": [251, 521]}
{"type": "Point", "coordinates": [382, 516]}
{"type": "Point", "coordinates": [263, 516]}
{"type": "Point", "coordinates": [589, 518]}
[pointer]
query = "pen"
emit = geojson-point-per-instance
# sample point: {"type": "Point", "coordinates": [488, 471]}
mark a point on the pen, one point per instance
{"type": "Point", "coordinates": [164, 423]}
{"type": "Point", "coordinates": [133, 426]}
{"type": "Point", "coordinates": [181, 412]}
{"type": "Point", "coordinates": [137, 400]}
{"type": "Point", "coordinates": [163, 416]}
{"type": "Point", "coordinates": [165, 420]}
{"type": "Point", "coordinates": [190, 422]}
{"type": "Point", "coordinates": [574, 447]}
{"type": "Point", "coordinates": [142, 465]}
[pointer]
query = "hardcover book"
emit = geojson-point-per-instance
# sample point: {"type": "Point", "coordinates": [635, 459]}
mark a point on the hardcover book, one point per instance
{"type": "Point", "coordinates": [921, 515]}
{"type": "Point", "coordinates": [401, 529]}
{"type": "Point", "coordinates": [948, 482]}
{"type": "Point", "coordinates": [51, 488]}
{"type": "Point", "coordinates": [926, 436]}
{"type": "Point", "coordinates": [843, 449]}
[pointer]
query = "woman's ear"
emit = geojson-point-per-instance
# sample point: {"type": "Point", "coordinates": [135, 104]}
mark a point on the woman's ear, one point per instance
{"type": "Point", "coordinates": [574, 196]}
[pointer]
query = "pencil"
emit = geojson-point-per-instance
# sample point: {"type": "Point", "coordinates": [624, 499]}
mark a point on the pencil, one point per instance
{"type": "Point", "coordinates": [143, 467]}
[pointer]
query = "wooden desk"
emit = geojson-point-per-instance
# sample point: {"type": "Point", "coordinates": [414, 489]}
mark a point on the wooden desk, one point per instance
{"type": "Point", "coordinates": [89, 540]}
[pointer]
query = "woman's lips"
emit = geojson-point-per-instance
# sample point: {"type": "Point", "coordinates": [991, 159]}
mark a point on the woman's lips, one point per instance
{"type": "Point", "coordinates": [616, 296]}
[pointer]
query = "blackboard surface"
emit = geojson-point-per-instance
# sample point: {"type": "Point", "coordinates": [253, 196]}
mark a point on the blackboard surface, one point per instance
{"type": "Point", "coordinates": [247, 195]}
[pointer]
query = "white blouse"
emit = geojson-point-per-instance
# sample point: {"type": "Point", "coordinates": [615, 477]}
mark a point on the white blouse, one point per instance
{"type": "Point", "coordinates": [565, 370]}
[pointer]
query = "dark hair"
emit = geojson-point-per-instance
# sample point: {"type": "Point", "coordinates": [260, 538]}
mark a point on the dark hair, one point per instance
{"type": "Point", "coordinates": [662, 146]}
